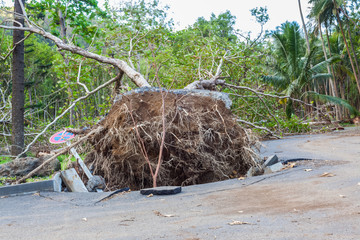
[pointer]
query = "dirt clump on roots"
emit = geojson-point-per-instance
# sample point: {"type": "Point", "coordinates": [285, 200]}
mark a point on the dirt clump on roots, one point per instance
{"type": "Point", "coordinates": [203, 142]}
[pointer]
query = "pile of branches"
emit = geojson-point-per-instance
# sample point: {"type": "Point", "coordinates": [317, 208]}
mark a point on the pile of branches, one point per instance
{"type": "Point", "coordinates": [202, 143]}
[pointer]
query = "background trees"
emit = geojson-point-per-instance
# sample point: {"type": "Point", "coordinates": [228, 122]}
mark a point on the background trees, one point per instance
{"type": "Point", "coordinates": [140, 34]}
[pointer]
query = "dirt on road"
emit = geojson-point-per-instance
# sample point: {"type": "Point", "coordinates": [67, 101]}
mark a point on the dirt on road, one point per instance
{"type": "Point", "coordinates": [317, 199]}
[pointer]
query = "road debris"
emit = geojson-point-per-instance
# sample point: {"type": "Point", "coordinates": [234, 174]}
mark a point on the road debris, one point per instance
{"type": "Point", "coordinates": [163, 190]}
{"type": "Point", "coordinates": [157, 213]}
{"type": "Point", "coordinates": [73, 181]}
{"type": "Point", "coordinates": [239, 223]}
{"type": "Point", "coordinates": [115, 193]}
{"type": "Point", "coordinates": [327, 174]}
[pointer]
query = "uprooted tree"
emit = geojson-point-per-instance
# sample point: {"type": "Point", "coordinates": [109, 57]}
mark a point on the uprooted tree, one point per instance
{"type": "Point", "coordinates": [158, 136]}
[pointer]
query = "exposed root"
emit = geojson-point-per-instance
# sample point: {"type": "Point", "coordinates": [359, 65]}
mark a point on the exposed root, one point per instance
{"type": "Point", "coordinates": [203, 142]}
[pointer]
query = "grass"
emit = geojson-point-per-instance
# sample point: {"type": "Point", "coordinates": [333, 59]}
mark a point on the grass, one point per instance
{"type": "Point", "coordinates": [5, 159]}
{"type": "Point", "coordinates": [4, 180]}
{"type": "Point", "coordinates": [65, 159]}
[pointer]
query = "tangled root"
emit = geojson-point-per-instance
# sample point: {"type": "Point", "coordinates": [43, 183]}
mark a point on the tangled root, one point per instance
{"type": "Point", "coordinates": [203, 142]}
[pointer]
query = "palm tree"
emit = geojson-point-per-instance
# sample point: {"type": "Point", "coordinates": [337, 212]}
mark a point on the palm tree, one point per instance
{"type": "Point", "coordinates": [327, 9]}
{"type": "Point", "coordinates": [293, 68]}
{"type": "Point", "coordinates": [304, 26]}
{"type": "Point", "coordinates": [319, 19]}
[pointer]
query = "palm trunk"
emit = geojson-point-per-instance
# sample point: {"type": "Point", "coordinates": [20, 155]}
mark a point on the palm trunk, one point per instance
{"type": "Point", "coordinates": [348, 51]}
{"type": "Point", "coordinates": [304, 26]}
{"type": "Point", "coordinates": [336, 84]}
{"type": "Point", "coordinates": [354, 53]}
{"type": "Point", "coordinates": [332, 85]}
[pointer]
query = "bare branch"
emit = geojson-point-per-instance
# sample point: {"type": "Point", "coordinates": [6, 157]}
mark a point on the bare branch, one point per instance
{"type": "Point", "coordinates": [58, 154]}
{"type": "Point", "coordinates": [78, 79]}
{"type": "Point", "coordinates": [268, 95]}
{"type": "Point", "coordinates": [258, 127]}
{"type": "Point", "coordinates": [135, 76]}
{"type": "Point", "coordinates": [68, 109]}
{"type": "Point", "coordinates": [209, 84]}
{"type": "Point", "coordinates": [22, 40]}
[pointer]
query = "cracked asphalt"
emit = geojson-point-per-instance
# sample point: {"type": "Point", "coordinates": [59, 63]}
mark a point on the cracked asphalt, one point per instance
{"type": "Point", "coordinates": [297, 203]}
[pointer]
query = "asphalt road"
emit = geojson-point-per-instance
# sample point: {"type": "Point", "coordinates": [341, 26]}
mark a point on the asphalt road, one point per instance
{"type": "Point", "coordinates": [298, 203]}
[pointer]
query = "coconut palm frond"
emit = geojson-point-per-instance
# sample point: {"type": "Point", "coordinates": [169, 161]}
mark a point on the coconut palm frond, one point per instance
{"type": "Point", "coordinates": [321, 76]}
{"type": "Point", "coordinates": [279, 82]}
{"type": "Point", "coordinates": [322, 65]}
{"type": "Point", "coordinates": [335, 100]}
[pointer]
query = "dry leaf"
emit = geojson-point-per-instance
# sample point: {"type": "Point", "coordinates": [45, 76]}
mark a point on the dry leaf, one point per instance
{"type": "Point", "coordinates": [36, 194]}
{"type": "Point", "coordinates": [291, 165]}
{"type": "Point", "coordinates": [241, 178]}
{"type": "Point", "coordinates": [150, 195]}
{"type": "Point", "coordinates": [308, 170]}
{"type": "Point", "coordinates": [327, 174]}
{"type": "Point", "coordinates": [239, 223]}
{"type": "Point", "coordinates": [288, 166]}
{"type": "Point", "coordinates": [157, 213]}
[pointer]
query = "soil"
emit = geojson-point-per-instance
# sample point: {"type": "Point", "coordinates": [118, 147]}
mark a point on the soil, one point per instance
{"type": "Point", "coordinates": [203, 142]}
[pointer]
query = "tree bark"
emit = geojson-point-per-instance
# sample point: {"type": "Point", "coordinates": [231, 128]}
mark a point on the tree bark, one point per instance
{"type": "Point", "coordinates": [18, 97]}
{"type": "Point", "coordinates": [304, 26]}
{"type": "Point", "coordinates": [63, 28]}
{"type": "Point", "coordinates": [348, 51]}
{"type": "Point", "coordinates": [332, 83]}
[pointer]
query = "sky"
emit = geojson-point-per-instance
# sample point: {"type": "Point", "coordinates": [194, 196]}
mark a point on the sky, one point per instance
{"type": "Point", "coordinates": [185, 12]}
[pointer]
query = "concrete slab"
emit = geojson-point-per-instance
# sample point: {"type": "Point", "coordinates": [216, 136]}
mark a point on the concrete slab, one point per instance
{"type": "Point", "coordinates": [27, 188]}
{"type": "Point", "coordinates": [73, 181]}
{"type": "Point", "coordinates": [274, 168]}
{"type": "Point", "coordinates": [271, 160]}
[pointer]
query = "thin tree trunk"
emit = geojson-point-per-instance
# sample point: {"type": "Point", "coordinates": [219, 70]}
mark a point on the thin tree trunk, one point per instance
{"type": "Point", "coordinates": [304, 26]}
{"type": "Point", "coordinates": [336, 84]}
{"type": "Point", "coordinates": [332, 85]}
{"type": "Point", "coordinates": [63, 29]}
{"type": "Point", "coordinates": [348, 51]}
{"type": "Point", "coordinates": [18, 87]}
{"type": "Point", "coordinates": [354, 53]}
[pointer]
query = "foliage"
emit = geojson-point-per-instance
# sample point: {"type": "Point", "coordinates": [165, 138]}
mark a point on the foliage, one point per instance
{"type": "Point", "coordinates": [140, 33]}
{"type": "Point", "coordinates": [5, 159]}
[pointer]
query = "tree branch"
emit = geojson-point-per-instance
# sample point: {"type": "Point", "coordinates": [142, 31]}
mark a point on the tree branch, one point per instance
{"type": "Point", "coordinates": [68, 109]}
{"type": "Point", "coordinates": [209, 84]}
{"type": "Point", "coordinates": [135, 76]}
{"type": "Point", "coordinates": [258, 127]}
{"type": "Point", "coordinates": [21, 180]}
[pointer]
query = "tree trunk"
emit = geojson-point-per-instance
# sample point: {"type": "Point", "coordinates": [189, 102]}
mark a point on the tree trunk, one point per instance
{"type": "Point", "coordinates": [17, 101]}
{"type": "Point", "coordinates": [348, 51]}
{"type": "Point", "coordinates": [354, 53]}
{"type": "Point", "coordinates": [63, 29]}
{"type": "Point", "coordinates": [332, 84]}
{"type": "Point", "coordinates": [304, 26]}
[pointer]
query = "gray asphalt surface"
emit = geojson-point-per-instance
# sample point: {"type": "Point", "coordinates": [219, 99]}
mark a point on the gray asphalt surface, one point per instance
{"type": "Point", "coordinates": [291, 204]}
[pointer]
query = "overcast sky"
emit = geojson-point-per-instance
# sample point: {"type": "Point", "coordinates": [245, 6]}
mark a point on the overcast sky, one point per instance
{"type": "Point", "coordinates": [185, 12]}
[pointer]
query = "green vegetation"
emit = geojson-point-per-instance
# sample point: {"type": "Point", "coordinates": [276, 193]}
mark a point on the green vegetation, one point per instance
{"type": "Point", "coordinates": [324, 76]}
{"type": "Point", "coordinates": [5, 159]}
